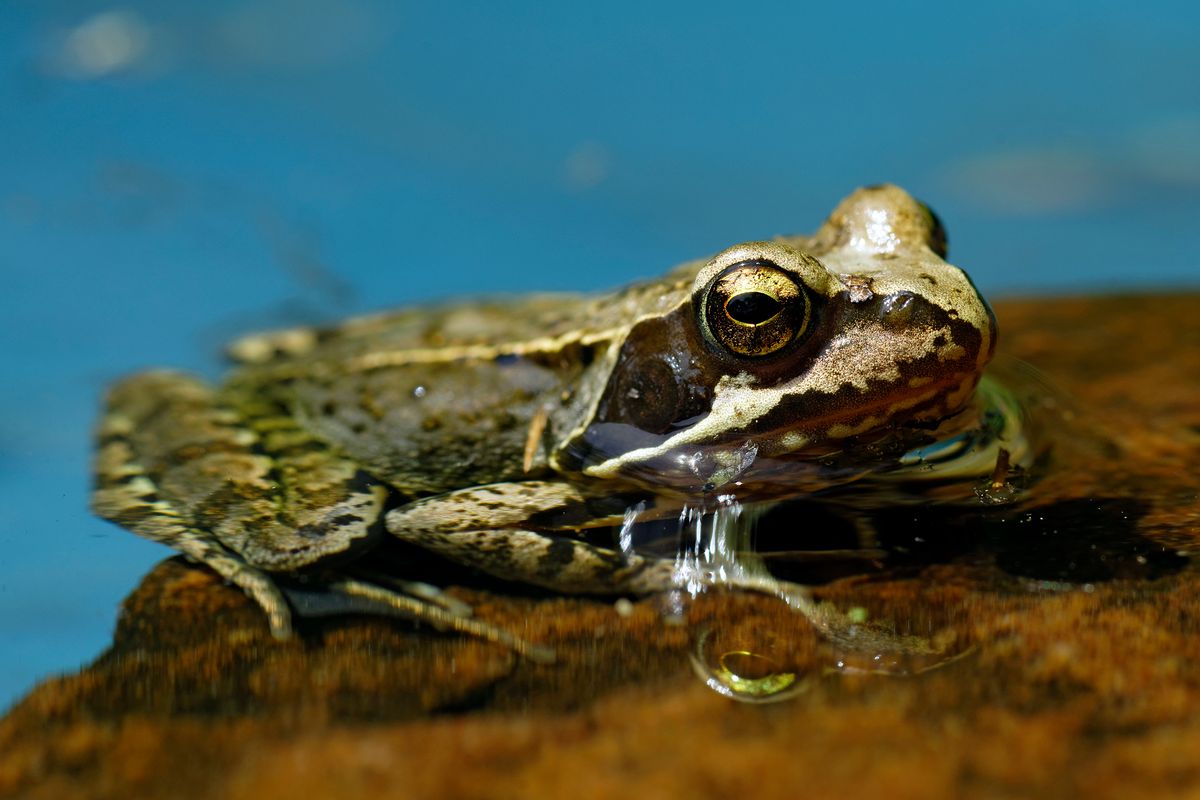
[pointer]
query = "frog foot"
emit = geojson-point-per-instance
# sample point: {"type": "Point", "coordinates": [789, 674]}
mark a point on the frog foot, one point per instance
{"type": "Point", "coordinates": [413, 600]}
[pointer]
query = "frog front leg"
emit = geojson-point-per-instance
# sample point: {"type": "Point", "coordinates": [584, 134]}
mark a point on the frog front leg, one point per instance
{"type": "Point", "coordinates": [494, 528]}
{"type": "Point", "coordinates": [235, 486]}
{"type": "Point", "coordinates": [529, 532]}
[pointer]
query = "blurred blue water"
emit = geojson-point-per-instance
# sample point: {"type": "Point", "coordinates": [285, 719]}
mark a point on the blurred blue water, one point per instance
{"type": "Point", "coordinates": [172, 174]}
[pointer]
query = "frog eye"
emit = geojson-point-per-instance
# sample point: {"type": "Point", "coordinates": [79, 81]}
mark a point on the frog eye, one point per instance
{"type": "Point", "coordinates": [755, 308]}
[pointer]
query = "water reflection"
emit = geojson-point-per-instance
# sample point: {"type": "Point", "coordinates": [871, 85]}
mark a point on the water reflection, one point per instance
{"type": "Point", "coordinates": [713, 548]}
{"type": "Point", "coordinates": [772, 648]}
{"type": "Point", "coordinates": [748, 672]}
{"type": "Point", "coordinates": [755, 618]}
{"type": "Point", "coordinates": [757, 658]}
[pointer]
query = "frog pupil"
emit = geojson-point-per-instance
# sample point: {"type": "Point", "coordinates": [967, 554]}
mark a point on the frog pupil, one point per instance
{"type": "Point", "coordinates": [752, 308]}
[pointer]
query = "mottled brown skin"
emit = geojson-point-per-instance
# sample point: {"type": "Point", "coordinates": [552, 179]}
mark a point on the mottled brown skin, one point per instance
{"type": "Point", "coordinates": [488, 429]}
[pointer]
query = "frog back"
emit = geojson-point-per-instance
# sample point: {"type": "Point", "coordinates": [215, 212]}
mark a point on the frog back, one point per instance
{"type": "Point", "coordinates": [431, 400]}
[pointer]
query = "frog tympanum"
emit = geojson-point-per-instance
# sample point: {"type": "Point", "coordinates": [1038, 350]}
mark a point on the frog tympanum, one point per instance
{"type": "Point", "coordinates": [497, 433]}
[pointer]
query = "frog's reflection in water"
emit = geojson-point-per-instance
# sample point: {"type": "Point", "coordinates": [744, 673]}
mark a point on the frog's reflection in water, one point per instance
{"type": "Point", "coordinates": [889, 593]}
{"type": "Point", "coordinates": [771, 645]}
{"type": "Point", "coordinates": [934, 590]}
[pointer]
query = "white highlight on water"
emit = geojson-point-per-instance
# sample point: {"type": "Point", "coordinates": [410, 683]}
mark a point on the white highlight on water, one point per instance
{"type": "Point", "coordinates": [715, 549]}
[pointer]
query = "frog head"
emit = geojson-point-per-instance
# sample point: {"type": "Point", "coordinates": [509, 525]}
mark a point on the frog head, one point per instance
{"type": "Point", "coordinates": [786, 351]}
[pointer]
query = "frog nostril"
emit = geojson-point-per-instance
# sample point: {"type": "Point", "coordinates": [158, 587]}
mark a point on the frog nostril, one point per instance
{"type": "Point", "coordinates": [752, 308]}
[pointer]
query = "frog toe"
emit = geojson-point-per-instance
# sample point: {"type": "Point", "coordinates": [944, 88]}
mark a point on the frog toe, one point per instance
{"type": "Point", "coordinates": [409, 600]}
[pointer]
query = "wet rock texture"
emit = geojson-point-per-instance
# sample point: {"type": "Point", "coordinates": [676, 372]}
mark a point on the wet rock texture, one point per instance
{"type": "Point", "coordinates": [1069, 637]}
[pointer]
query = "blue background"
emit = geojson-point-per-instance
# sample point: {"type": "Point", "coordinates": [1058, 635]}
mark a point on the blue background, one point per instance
{"type": "Point", "coordinates": [172, 174]}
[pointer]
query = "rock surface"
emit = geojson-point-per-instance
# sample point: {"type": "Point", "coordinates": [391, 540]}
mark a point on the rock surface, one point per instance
{"type": "Point", "coordinates": [1070, 640]}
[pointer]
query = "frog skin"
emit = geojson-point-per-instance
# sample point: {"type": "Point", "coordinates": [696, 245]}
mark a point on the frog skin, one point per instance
{"type": "Point", "coordinates": [498, 433]}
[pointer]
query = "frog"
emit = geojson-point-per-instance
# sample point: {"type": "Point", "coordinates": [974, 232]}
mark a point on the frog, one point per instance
{"type": "Point", "coordinates": [500, 434]}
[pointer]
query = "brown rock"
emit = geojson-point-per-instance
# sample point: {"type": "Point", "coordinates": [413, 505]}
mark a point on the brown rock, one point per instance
{"type": "Point", "coordinates": [1050, 683]}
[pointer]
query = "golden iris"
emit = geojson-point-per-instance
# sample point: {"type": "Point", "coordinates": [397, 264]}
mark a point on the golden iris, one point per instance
{"type": "Point", "coordinates": [755, 308]}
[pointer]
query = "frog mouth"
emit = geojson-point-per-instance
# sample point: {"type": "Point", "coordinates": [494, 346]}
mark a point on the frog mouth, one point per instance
{"type": "Point", "coordinates": [929, 403]}
{"type": "Point", "coordinates": [705, 456]}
